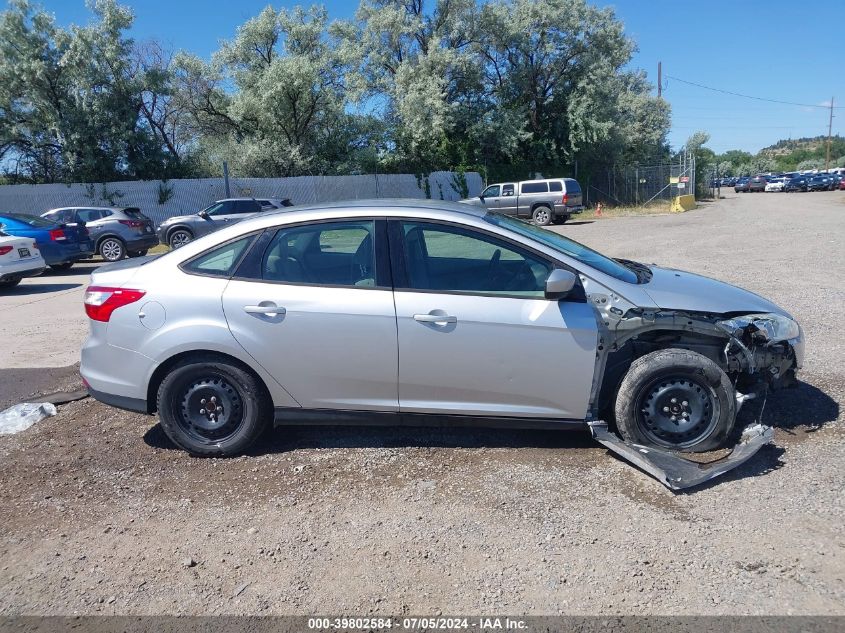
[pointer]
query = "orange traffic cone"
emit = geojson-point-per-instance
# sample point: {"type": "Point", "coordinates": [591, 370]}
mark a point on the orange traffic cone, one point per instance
{"type": "Point", "coordinates": [598, 209]}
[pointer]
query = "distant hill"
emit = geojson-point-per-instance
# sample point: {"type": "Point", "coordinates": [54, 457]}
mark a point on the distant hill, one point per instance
{"type": "Point", "coordinates": [810, 145]}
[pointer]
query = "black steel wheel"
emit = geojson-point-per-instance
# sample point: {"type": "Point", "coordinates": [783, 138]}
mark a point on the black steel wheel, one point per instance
{"type": "Point", "coordinates": [211, 407]}
{"type": "Point", "coordinates": [676, 399]}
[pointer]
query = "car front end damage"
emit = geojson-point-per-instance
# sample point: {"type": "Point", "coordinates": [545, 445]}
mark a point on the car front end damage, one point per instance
{"type": "Point", "coordinates": [758, 352]}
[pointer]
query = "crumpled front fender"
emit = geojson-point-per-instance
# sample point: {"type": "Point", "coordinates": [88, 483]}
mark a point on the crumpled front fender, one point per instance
{"type": "Point", "coordinates": [675, 472]}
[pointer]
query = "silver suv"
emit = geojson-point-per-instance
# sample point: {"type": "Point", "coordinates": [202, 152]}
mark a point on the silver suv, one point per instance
{"type": "Point", "coordinates": [115, 231]}
{"type": "Point", "coordinates": [181, 229]}
{"type": "Point", "coordinates": [544, 201]}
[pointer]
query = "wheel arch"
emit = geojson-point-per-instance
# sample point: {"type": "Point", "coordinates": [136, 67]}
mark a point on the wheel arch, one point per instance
{"type": "Point", "coordinates": [176, 227]}
{"type": "Point", "coordinates": [164, 368]}
{"type": "Point", "coordinates": [103, 238]}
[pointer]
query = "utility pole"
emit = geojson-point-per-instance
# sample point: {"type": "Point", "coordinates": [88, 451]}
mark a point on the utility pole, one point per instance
{"type": "Point", "coordinates": [829, 130]}
{"type": "Point", "coordinates": [659, 79]}
{"type": "Point", "coordinates": [226, 178]}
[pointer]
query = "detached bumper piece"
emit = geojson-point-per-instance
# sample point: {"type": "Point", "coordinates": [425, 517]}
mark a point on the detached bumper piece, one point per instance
{"type": "Point", "coordinates": [675, 472]}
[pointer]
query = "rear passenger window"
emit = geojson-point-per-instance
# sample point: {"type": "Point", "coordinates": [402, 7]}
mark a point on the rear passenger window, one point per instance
{"type": "Point", "coordinates": [555, 185]}
{"type": "Point", "coordinates": [220, 261]}
{"type": "Point", "coordinates": [326, 254]}
{"type": "Point", "coordinates": [534, 187]}
{"type": "Point", "coordinates": [89, 215]}
{"type": "Point", "coordinates": [507, 190]}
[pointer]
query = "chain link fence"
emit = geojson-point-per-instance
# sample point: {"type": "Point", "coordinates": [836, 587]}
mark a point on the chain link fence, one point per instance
{"type": "Point", "coordinates": [639, 186]}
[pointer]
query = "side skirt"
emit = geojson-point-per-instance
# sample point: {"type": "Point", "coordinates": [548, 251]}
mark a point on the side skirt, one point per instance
{"type": "Point", "coordinates": [284, 416]}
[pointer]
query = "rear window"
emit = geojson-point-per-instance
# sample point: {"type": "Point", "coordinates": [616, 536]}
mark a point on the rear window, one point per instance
{"type": "Point", "coordinates": [534, 187]}
{"type": "Point", "coordinates": [135, 214]}
{"type": "Point", "coordinates": [572, 186]}
{"type": "Point", "coordinates": [555, 186]}
{"type": "Point", "coordinates": [220, 261]}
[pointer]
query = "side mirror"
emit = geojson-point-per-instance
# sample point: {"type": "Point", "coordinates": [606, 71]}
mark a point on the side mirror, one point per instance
{"type": "Point", "coordinates": [481, 197]}
{"type": "Point", "coordinates": [204, 215]}
{"type": "Point", "coordinates": [559, 284]}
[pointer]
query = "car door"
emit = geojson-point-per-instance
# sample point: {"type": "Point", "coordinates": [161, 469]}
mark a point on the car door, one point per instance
{"type": "Point", "coordinates": [94, 220]}
{"type": "Point", "coordinates": [509, 200]}
{"type": "Point", "coordinates": [491, 197]}
{"type": "Point", "coordinates": [314, 307]}
{"type": "Point", "coordinates": [477, 336]}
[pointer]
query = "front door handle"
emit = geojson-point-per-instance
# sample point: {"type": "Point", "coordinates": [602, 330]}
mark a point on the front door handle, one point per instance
{"type": "Point", "coordinates": [265, 308]}
{"type": "Point", "coordinates": [435, 318]}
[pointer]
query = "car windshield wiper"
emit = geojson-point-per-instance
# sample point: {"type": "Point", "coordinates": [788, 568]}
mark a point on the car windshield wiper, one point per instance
{"type": "Point", "coordinates": [642, 271]}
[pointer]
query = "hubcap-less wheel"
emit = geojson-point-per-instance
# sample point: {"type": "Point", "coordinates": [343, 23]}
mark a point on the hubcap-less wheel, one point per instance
{"type": "Point", "coordinates": [676, 412]}
{"type": "Point", "coordinates": [211, 409]}
{"type": "Point", "coordinates": [112, 250]}
{"type": "Point", "coordinates": [179, 238]}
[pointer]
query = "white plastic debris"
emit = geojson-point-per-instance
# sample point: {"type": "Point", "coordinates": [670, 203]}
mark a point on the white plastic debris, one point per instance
{"type": "Point", "coordinates": [22, 416]}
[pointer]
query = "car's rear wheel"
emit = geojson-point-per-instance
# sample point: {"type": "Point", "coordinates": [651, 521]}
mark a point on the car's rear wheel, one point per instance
{"type": "Point", "coordinates": [210, 407]}
{"type": "Point", "coordinates": [676, 399]}
{"type": "Point", "coordinates": [179, 237]}
{"type": "Point", "coordinates": [112, 249]}
{"type": "Point", "coordinates": [10, 283]}
{"type": "Point", "coordinates": [64, 266]}
{"type": "Point", "coordinates": [542, 216]}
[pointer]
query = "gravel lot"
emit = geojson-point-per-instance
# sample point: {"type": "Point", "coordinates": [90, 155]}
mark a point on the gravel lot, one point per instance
{"type": "Point", "coordinates": [101, 515]}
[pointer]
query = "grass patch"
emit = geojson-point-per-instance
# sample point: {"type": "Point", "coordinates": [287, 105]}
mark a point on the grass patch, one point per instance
{"type": "Point", "coordinates": [624, 212]}
{"type": "Point", "coordinates": [158, 250]}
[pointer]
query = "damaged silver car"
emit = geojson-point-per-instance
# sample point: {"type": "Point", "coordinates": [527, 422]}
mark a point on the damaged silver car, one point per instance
{"type": "Point", "coordinates": [426, 312]}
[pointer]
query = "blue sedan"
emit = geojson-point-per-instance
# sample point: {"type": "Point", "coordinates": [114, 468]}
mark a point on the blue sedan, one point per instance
{"type": "Point", "coordinates": [60, 244]}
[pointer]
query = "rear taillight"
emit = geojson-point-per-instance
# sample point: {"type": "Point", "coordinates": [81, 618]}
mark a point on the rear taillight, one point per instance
{"type": "Point", "coordinates": [57, 235]}
{"type": "Point", "coordinates": [4, 250]}
{"type": "Point", "coordinates": [101, 301]}
{"type": "Point", "coordinates": [135, 224]}
{"type": "Point", "coordinates": [565, 198]}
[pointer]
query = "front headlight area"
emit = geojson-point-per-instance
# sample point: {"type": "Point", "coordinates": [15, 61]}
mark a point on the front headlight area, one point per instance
{"type": "Point", "coordinates": [765, 345]}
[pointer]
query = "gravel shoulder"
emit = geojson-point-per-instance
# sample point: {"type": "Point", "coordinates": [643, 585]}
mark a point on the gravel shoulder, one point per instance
{"type": "Point", "coordinates": [102, 516]}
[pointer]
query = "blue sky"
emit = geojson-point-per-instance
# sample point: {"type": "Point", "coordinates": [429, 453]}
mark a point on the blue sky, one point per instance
{"type": "Point", "coordinates": [773, 50]}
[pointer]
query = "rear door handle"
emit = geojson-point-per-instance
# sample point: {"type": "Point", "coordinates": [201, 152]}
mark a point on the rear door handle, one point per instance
{"type": "Point", "coordinates": [435, 318]}
{"type": "Point", "coordinates": [268, 310]}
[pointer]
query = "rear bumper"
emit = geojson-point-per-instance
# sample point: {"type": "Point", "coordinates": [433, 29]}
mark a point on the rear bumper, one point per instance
{"type": "Point", "coordinates": [142, 242]}
{"type": "Point", "coordinates": [121, 402]}
{"type": "Point", "coordinates": [561, 209]}
{"type": "Point", "coordinates": [24, 269]}
{"type": "Point", "coordinates": [115, 375]}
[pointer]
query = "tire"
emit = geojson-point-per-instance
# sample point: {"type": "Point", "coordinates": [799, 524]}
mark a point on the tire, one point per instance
{"type": "Point", "coordinates": [138, 253]}
{"type": "Point", "coordinates": [243, 414]}
{"type": "Point", "coordinates": [542, 216]}
{"type": "Point", "coordinates": [179, 237]}
{"type": "Point", "coordinates": [65, 266]}
{"type": "Point", "coordinates": [669, 378]}
{"type": "Point", "coordinates": [10, 283]}
{"type": "Point", "coordinates": [112, 249]}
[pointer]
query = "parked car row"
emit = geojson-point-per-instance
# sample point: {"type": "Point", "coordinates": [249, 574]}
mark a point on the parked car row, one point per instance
{"type": "Point", "coordinates": [786, 183]}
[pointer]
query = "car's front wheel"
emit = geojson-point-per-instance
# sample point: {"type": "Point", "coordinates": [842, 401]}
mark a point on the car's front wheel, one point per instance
{"type": "Point", "coordinates": [112, 249]}
{"type": "Point", "coordinates": [676, 399]}
{"type": "Point", "coordinates": [210, 407]}
{"type": "Point", "coordinates": [179, 237]}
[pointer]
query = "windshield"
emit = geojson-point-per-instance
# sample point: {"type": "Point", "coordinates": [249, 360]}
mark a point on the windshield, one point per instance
{"type": "Point", "coordinates": [31, 220]}
{"type": "Point", "coordinates": [564, 245]}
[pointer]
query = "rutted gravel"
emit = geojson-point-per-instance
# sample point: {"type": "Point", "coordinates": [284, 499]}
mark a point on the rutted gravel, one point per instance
{"type": "Point", "coordinates": [101, 515]}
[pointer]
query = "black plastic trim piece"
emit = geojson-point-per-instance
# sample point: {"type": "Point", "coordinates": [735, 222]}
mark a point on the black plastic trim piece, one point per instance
{"type": "Point", "coordinates": [136, 405]}
{"type": "Point", "coordinates": [339, 417]}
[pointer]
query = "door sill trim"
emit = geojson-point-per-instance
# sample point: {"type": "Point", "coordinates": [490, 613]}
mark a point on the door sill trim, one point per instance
{"type": "Point", "coordinates": [284, 416]}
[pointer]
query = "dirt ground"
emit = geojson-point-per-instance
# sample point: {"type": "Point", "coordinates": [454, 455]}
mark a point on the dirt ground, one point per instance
{"type": "Point", "coordinates": [100, 515]}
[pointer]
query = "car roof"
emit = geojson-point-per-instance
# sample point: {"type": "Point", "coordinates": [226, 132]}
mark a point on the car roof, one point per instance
{"type": "Point", "coordinates": [385, 207]}
{"type": "Point", "coordinates": [86, 206]}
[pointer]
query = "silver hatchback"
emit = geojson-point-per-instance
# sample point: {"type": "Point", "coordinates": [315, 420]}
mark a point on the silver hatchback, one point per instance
{"type": "Point", "coordinates": [424, 312]}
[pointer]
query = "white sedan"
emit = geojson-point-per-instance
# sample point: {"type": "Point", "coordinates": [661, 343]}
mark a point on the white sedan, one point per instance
{"type": "Point", "coordinates": [775, 184]}
{"type": "Point", "coordinates": [19, 258]}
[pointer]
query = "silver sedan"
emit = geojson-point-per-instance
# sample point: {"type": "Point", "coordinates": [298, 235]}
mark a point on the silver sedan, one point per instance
{"type": "Point", "coordinates": [424, 312]}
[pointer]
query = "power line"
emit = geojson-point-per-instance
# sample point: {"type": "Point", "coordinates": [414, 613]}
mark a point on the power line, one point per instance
{"type": "Point", "coordinates": [737, 94]}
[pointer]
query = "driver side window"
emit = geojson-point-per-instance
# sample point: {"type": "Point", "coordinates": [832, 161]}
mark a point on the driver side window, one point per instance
{"type": "Point", "coordinates": [491, 192]}
{"type": "Point", "coordinates": [452, 259]}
